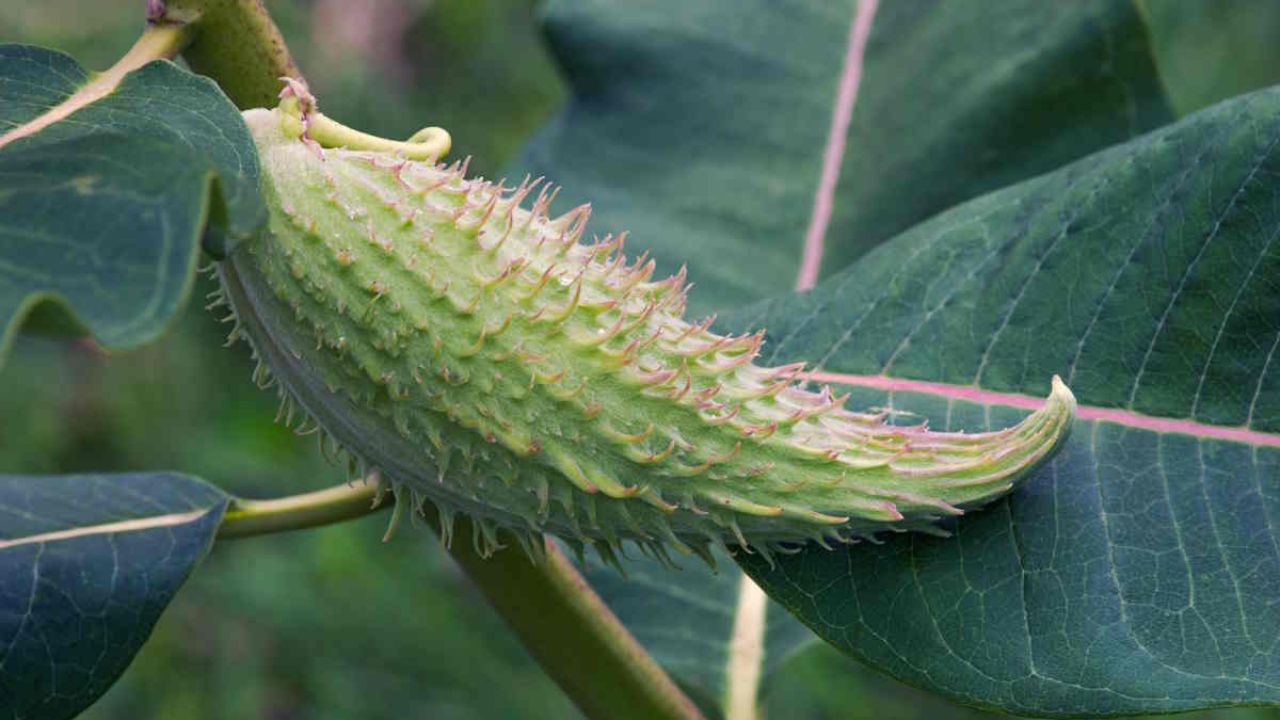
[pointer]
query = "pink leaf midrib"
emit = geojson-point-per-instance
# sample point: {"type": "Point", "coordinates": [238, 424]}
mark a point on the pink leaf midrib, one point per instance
{"type": "Point", "coordinates": [833, 155]}
{"type": "Point", "coordinates": [1116, 416]}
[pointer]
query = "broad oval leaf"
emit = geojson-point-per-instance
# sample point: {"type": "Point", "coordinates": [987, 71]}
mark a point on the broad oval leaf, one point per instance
{"type": "Point", "coordinates": [103, 209]}
{"type": "Point", "coordinates": [1138, 571]}
{"type": "Point", "coordinates": [711, 148]}
{"type": "Point", "coordinates": [744, 138]}
{"type": "Point", "coordinates": [87, 564]}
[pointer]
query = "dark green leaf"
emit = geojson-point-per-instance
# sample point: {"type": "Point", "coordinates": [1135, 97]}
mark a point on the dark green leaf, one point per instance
{"type": "Point", "coordinates": [103, 210]}
{"type": "Point", "coordinates": [822, 684]}
{"type": "Point", "coordinates": [702, 127]}
{"type": "Point", "coordinates": [87, 564]}
{"type": "Point", "coordinates": [1139, 571]}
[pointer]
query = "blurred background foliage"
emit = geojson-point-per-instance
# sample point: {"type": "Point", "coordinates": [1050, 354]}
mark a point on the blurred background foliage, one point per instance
{"type": "Point", "coordinates": [332, 623]}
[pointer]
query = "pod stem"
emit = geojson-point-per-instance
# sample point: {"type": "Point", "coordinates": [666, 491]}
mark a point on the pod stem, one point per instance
{"type": "Point", "coordinates": [236, 43]}
{"type": "Point", "coordinates": [570, 631]}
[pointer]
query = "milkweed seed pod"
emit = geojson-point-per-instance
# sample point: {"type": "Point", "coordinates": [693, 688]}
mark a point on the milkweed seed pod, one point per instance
{"type": "Point", "coordinates": [482, 357]}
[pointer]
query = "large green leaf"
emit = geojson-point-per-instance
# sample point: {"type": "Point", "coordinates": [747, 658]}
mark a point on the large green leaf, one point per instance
{"type": "Point", "coordinates": [87, 564]}
{"type": "Point", "coordinates": [103, 209]}
{"type": "Point", "coordinates": [1139, 570]}
{"type": "Point", "coordinates": [703, 127]}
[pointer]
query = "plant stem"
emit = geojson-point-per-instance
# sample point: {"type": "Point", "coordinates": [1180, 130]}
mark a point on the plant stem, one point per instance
{"type": "Point", "coordinates": [236, 43]}
{"type": "Point", "coordinates": [574, 636]}
{"type": "Point", "coordinates": [746, 652]}
{"type": "Point", "coordinates": [159, 41]}
{"type": "Point", "coordinates": [567, 627]}
{"type": "Point", "coordinates": [246, 518]}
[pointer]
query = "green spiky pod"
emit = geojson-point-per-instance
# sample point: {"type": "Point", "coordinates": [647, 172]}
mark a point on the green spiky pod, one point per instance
{"type": "Point", "coordinates": [480, 356]}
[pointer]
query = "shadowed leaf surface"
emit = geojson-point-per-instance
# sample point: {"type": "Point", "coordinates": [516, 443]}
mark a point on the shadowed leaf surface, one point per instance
{"type": "Point", "coordinates": [1210, 51]}
{"type": "Point", "coordinates": [87, 564]}
{"type": "Point", "coordinates": [1138, 571]}
{"type": "Point", "coordinates": [103, 210]}
{"type": "Point", "coordinates": [702, 128]}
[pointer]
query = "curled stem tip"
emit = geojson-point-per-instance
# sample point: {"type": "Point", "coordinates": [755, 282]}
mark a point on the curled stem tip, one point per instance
{"type": "Point", "coordinates": [304, 119]}
{"type": "Point", "coordinates": [430, 143]}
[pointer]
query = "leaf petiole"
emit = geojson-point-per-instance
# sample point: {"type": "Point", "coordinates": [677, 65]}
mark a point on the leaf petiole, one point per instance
{"type": "Point", "coordinates": [247, 518]}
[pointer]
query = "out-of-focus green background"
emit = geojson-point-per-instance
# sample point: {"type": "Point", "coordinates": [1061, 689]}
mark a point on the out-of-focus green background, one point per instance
{"type": "Point", "coordinates": [332, 623]}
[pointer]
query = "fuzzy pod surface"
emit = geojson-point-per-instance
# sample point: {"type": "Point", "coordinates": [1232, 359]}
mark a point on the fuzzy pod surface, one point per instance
{"type": "Point", "coordinates": [481, 356]}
